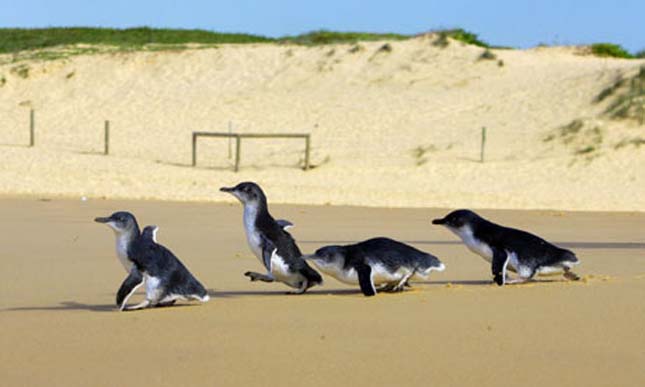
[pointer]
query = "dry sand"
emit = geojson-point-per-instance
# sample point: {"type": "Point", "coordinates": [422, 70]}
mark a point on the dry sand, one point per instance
{"type": "Point", "coordinates": [367, 109]}
{"type": "Point", "coordinates": [58, 276]}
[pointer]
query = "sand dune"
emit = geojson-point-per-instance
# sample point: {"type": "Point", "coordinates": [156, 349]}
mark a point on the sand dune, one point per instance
{"type": "Point", "coordinates": [389, 128]}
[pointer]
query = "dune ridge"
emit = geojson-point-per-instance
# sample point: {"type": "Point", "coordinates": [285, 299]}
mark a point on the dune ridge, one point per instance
{"type": "Point", "coordinates": [393, 123]}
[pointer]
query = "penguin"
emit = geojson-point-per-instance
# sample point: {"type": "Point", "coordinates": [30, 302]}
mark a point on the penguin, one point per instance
{"type": "Point", "coordinates": [126, 230]}
{"type": "Point", "coordinates": [374, 262]}
{"type": "Point", "coordinates": [271, 243]}
{"type": "Point", "coordinates": [509, 249]}
{"type": "Point", "coordinates": [167, 279]}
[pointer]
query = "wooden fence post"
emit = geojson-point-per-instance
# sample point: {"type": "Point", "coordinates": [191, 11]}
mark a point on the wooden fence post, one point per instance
{"type": "Point", "coordinates": [32, 128]}
{"type": "Point", "coordinates": [307, 147]}
{"type": "Point", "coordinates": [481, 155]}
{"type": "Point", "coordinates": [238, 141]}
{"type": "Point", "coordinates": [106, 148]}
{"type": "Point", "coordinates": [194, 149]}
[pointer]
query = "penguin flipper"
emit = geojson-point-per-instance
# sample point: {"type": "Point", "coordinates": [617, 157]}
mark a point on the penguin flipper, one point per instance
{"type": "Point", "coordinates": [129, 285]}
{"type": "Point", "coordinates": [500, 260]}
{"type": "Point", "coordinates": [268, 249]}
{"type": "Point", "coordinates": [365, 279]}
{"type": "Point", "coordinates": [284, 224]}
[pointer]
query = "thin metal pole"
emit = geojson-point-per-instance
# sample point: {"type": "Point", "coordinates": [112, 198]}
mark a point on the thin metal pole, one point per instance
{"type": "Point", "coordinates": [106, 149]}
{"type": "Point", "coordinates": [481, 157]}
{"type": "Point", "coordinates": [307, 147]}
{"type": "Point", "coordinates": [194, 149]}
{"type": "Point", "coordinates": [238, 141]}
{"type": "Point", "coordinates": [32, 128]}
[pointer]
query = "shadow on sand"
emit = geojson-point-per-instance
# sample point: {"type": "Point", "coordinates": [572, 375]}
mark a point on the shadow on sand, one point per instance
{"type": "Point", "coordinates": [73, 305]}
{"type": "Point", "coordinates": [270, 293]}
{"type": "Point", "coordinates": [65, 305]}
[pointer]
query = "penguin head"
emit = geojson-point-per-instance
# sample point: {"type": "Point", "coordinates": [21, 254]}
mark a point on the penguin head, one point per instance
{"type": "Point", "coordinates": [458, 219]}
{"type": "Point", "coordinates": [328, 257]}
{"type": "Point", "coordinates": [120, 222]}
{"type": "Point", "coordinates": [246, 192]}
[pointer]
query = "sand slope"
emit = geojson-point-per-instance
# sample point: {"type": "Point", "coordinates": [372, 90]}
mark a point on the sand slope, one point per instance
{"type": "Point", "coordinates": [390, 128]}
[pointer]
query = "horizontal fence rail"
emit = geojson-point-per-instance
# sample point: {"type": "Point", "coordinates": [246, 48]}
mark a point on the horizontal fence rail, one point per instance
{"type": "Point", "coordinates": [238, 143]}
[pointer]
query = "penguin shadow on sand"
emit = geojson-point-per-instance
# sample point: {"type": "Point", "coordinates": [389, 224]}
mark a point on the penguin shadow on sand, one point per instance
{"type": "Point", "coordinates": [280, 293]}
{"type": "Point", "coordinates": [75, 305]}
{"type": "Point", "coordinates": [64, 306]}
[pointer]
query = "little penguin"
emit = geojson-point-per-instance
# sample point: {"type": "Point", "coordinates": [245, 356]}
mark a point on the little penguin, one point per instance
{"type": "Point", "coordinates": [271, 243]}
{"type": "Point", "coordinates": [509, 249]}
{"type": "Point", "coordinates": [167, 279]}
{"type": "Point", "coordinates": [374, 262]}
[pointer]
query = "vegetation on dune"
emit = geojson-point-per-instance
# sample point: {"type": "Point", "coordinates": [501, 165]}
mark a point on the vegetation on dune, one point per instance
{"type": "Point", "coordinates": [610, 50]}
{"type": "Point", "coordinates": [330, 37]}
{"type": "Point", "coordinates": [466, 37]}
{"type": "Point", "coordinates": [628, 97]}
{"type": "Point", "coordinates": [460, 35]}
{"type": "Point", "coordinates": [13, 40]}
{"type": "Point", "coordinates": [19, 39]}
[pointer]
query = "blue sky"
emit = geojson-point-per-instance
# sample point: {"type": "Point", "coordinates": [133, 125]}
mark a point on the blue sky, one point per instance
{"type": "Point", "coordinates": [509, 23]}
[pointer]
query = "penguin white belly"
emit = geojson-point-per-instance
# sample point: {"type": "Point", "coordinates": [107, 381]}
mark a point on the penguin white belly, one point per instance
{"type": "Point", "coordinates": [515, 266]}
{"type": "Point", "coordinates": [475, 245]}
{"type": "Point", "coordinates": [252, 235]}
{"type": "Point", "coordinates": [122, 252]}
{"type": "Point", "coordinates": [281, 272]}
{"type": "Point", "coordinates": [348, 276]}
{"type": "Point", "coordinates": [153, 288]}
{"type": "Point", "coordinates": [381, 275]}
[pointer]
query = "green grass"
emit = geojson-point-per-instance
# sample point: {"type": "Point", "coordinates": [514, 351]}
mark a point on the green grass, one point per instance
{"type": "Point", "coordinates": [466, 37]}
{"type": "Point", "coordinates": [610, 50]}
{"type": "Point", "coordinates": [16, 40]}
{"type": "Point", "coordinates": [629, 99]}
{"type": "Point", "coordinates": [13, 40]}
{"type": "Point", "coordinates": [331, 37]}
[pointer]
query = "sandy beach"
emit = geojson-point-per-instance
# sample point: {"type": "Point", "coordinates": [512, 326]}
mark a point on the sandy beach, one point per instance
{"type": "Point", "coordinates": [58, 276]}
{"type": "Point", "coordinates": [397, 127]}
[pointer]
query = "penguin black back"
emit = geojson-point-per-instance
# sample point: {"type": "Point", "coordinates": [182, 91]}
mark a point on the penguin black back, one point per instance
{"type": "Point", "coordinates": [157, 261]}
{"type": "Point", "coordinates": [391, 253]}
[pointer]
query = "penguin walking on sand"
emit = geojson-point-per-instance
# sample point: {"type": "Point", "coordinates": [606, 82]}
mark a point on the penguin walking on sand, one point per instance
{"type": "Point", "coordinates": [271, 243]}
{"type": "Point", "coordinates": [509, 249]}
{"type": "Point", "coordinates": [167, 279]}
{"type": "Point", "coordinates": [375, 262]}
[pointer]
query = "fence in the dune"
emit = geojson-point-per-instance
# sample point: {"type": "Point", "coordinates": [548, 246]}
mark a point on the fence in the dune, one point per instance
{"type": "Point", "coordinates": [238, 143]}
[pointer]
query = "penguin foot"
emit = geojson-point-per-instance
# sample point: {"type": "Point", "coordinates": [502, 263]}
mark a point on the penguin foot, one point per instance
{"type": "Point", "coordinates": [258, 277]}
{"type": "Point", "coordinates": [519, 280]}
{"type": "Point", "coordinates": [303, 288]}
{"type": "Point", "coordinates": [142, 305]}
{"type": "Point", "coordinates": [571, 276]}
{"type": "Point", "coordinates": [499, 279]}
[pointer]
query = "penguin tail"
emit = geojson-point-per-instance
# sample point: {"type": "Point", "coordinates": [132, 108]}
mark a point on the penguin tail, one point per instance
{"type": "Point", "coordinates": [569, 256]}
{"type": "Point", "coordinates": [312, 275]}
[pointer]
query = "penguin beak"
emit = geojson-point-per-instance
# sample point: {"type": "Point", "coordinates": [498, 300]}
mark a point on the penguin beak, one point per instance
{"type": "Point", "coordinates": [309, 256]}
{"type": "Point", "coordinates": [226, 189]}
{"type": "Point", "coordinates": [102, 220]}
{"type": "Point", "coordinates": [439, 221]}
